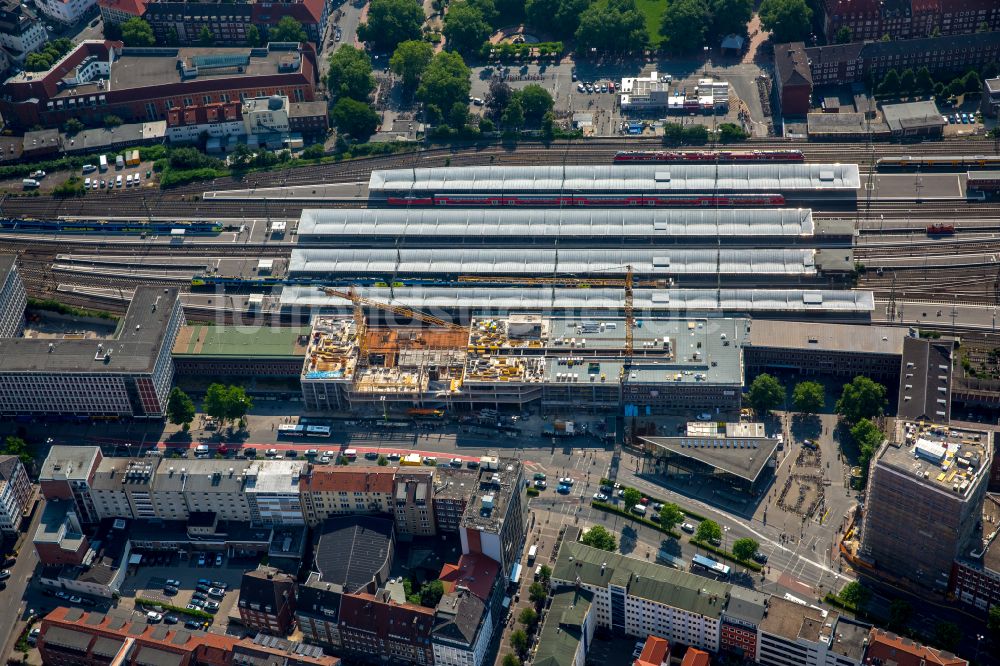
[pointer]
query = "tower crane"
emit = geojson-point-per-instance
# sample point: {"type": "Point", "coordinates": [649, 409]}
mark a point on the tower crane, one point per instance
{"type": "Point", "coordinates": [360, 302]}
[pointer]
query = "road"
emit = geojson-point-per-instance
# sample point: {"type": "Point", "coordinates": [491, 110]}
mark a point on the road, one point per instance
{"type": "Point", "coordinates": [13, 596]}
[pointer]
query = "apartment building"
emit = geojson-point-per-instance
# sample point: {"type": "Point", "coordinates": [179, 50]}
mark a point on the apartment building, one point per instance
{"type": "Point", "coordinates": [177, 22]}
{"type": "Point", "coordinates": [12, 298]}
{"type": "Point", "coordinates": [15, 493]}
{"type": "Point", "coordinates": [569, 629]}
{"type": "Point", "coordinates": [128, 375]}
{"type": "Point", "coordinates": [905, 19]}
{"type": "Point", "coordinates": [65, 11]}
{"type": "Point", "coordinates": [375, 627]}
{"type": "Point", "coordinates": [885, 648]}
{"type": "Point", "coordinates": [857, 61]}
{"type": "Point", "coordinates": [926, 485]}
{"type": "Point", "coordinates": [20, 34]}
{"type": "Point", "coordinates": [793, 633]}
{"type": "Point", "coordinates": [59, 539]}
{"type": "Point", "coordinates": [118, 11]}
{"type": "Point", "coordinates": [267, 601]}
{"type": "Point", "coordinates": [182, 487]}
{"type": "Point", "coordinates": [452, 490]}
{"type": "Point", "coordinates": [67, 475]}
{"type": "Point", "coordinates": [741, 620]}
{"type": "Point", "coordinates": [412, 502]}
{"type": "Point", "coordinates": [99, 78]}
{"type": "Point", "coordinates": [317, 611]}
{"type": "Point", "coordinates": [468, 614]}
{"type": "Point", "coordinates": [215, 120]}
{"type": "Point", "coordinates": [338, 490]}
{"type": "Point", "coordinates": [495, 519]}
{"type": "Point", "coordinates": [272, 492]}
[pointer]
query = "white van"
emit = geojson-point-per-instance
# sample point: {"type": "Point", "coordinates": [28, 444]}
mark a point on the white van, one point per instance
{"type": "Point", "coordinates": [104, 163]}
{"type": "Point", "coordinates": [201, 450]}
{"type": "Point", "coordinates": [89, 168]}
{"type": "Point", "coordinates": [86, 184]}
{"type": "Point", "coordinates": [119, 162]}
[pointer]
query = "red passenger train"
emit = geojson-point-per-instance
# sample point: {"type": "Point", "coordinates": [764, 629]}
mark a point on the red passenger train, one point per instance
{"type": "Point", "coordinates": [940, 229]}
{"type": "Point", "coordinates": [603, 201]}
{"type": "Point", "coordinates": [701, 156]}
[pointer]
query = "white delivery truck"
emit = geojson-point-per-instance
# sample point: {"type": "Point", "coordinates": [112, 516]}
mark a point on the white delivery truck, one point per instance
{"type": "Point", "coordinates": [103, 163]}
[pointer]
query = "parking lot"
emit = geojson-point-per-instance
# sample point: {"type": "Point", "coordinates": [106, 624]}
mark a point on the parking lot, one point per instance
{"type": "Point", "coordinates": [149, 582]}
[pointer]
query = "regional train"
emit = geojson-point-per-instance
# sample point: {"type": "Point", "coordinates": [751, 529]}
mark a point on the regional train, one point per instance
{"type": "Point", "coordinates": [99, 227]}
{"type": "Point", "coordinates": [595, 200]}
{"type": "Point", "coordinates": [940, 229]}
{"type": "Point", "coordinates": [938, 162]}
{"type": "Point", "coordinates": [702, 156]}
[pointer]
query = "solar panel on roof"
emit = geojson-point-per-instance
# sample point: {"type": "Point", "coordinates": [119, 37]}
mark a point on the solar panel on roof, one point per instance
{"type": "Point", "coordinates": [220, 61]}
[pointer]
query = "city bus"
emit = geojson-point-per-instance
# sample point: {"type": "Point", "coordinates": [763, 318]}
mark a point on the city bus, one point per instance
{"type": "Point", "coordinates": [705, 566]}
{"type": "Point", "coordinates": [317, 431]}
{"type": "Point", "coordinates": [287, 430]}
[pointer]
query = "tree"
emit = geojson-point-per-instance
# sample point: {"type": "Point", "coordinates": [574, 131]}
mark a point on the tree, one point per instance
{"type": "Point", "coordinates": [844, 35]}
{"type": "Point", "coordinates": [731, 133]}
{"type": "Point", "coordinates": [855, 594]}
{"type": "Point", "coordinates": [288, 30]}
{"type": "Point", "coordinates": [536, 101]}
{"type": "Point", "coordinates": [112, 31]}
{"type": "Point", "coordinates": [599, 537]}
{"type": "Point", "coordinates": [947, 636]}
{"type": "Point", "coordinates": [808, 397]}
{"type": "Point", "coordinates": [685, 24]}
{"type": "Point", "coordinates": [545, 574]}
{"type": "Point", "coordinates": [548, 126]}
{"type": "Point", "coordinates": [670, 515]}
{"type": "Point", "coordinates": [73, 126]}
{"type": "Point", "coordinates": [410, 60]}
{"type": "Point", "coordinates": [15, 446]}
{"type": "Point", "coordinates": [765, 393]}
{"type": "Point", "coordinates": [226, 403]}
{"type": "Point", "coordinates": [445, 80]}
{"type": "Point", "coordinates": [391, 22]}
{"type": "Point", "coordinates": [787, 20]}
{"type": "Point", "coordinates": [924, 80]}
{"type": "Point", "coordinates": [431, 593]}
{"type": "Point", "coordinates": [253, 36]}
{"type": "Point", "coordinates": [615, 26]}
{"type": "Point", "coordinates": [458, 115]}
{"type": "Point", "coordinates": [383, 461]}
{"type": "Point", "coordinates": [956, 87]}
{"type": "Point", "coordinates": [465, 28]}
{"type": "Point", "coordinates": [537, 593]}
{"type": "Point", "coordinates": [900, 612]}
{"type": "Point", "coordinates": [71, 187]}
{"type": "Point", "coordinates": [730, 17]}
{"type": "Point", "coordinates": [519, 641]}
{"type": "Point", "coordinates": [111, 121]}
{"type": "Point", "coordinates": [180, 408]}
{"type": "Point", "coordinates": [513, 116]}
{"type": "Point", "coordinates": [631, 497]}
{"type": "Point", "coordinates": [890, 83]}
{"type": "Point", "coordinates": [561, 18]}
{"type": "Point", "coordinates": [528, 617]}
{"type": "Point", "coordinates": [908, 81]}
{"type": "Point", "coordinates": [868, 438]}
{"type": "Point", "coordinates": [745, 548]}
{"type": "Point", "coordinates": [205, 37]}
{"type": "Point", "coordinates": [350, 74]}
{"type": "Point", "coordinates": [708, 530]}
{"type": "Point", "coordinates": [136, 32]}
{"type": "Point", "coordinates": [861, 399]}
{"type": "Point", "coordinates": [511, 659]}
{"type": "Point", "coordinates": [498, 97]}
{"type": "Point", "coordinates": [487, 8]}
{"type": "Point", "coordinates": [972, 82]}
{"type": "Point", "coordinates": [355, 118]}
{"type": "Point", "coordinates": [993, 621]}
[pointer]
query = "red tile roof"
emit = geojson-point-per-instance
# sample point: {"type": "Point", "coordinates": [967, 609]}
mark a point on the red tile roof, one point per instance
{"type": "Point", "coordinates": [133, 7]}
{"type": "Point", "coordinates": [349, 479]}
{"type": "Point", "coordinates": [368, 612]}
{"type": "Point", "coordinates": [695, 657]}
{"type": "Point", "coordinates": [654, 652]}
{"type": "Point", "coordinates": [900, 651]}
{"type": "Point", "coordinates": [473, 571]}
{"type": "Point", "coordinates": [204, 114]}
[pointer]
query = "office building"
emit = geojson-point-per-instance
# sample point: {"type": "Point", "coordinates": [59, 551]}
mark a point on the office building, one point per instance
{"type": "Point", "coordinates": [452, 490]}
{"type": "Point", "coordinates": [228, 22]}
{"type": "Point", "coordinates": [336, 491]}
{"type": "Point", "coordinates": [267, 601]}
{"type": "Point", "coordinates": [128, 375]}
{"type": "Point", "coordinates": [212, 490]}
{"type": "Point", "coordinates": [793, 633]}
{"type": "Point", "coordinates": [236, 351]}
{"type": "Point", "coordinates": [925, 380]}
{"type": "Point", "coordinates": [926, 485]}
{"type": "Point", "coordinates": [991, 97]}
{"type": "Point", "coordinates": [376, 627]}
{"type": "Point", "coordinates": [59, 538]}
{"type": "Point", "coordinates": [272, 492]}
{"type": "Point", "coordinates": [67, 474]}
{"type": "Point", "coordinates": [20, 34]}
{"type": "Point", "coordinates": [569, 628]}
{"type": "Point", "coordinates": [794, 78]}
{"type": "Point", "coordinates": [975, 575]}
{"type": "Point", "coordinates": [102, 77]}
{"type": "Point", "coordinates": [495, 519]}
{"type": "Point", "coordinates": [469, 613]}
{"type": "Point", "coordinates": [15, 494]}
{"type": "Point", "coordinates": [412, 502]}
{"type": "Point", "coordinates": [741, 620]}
{"type": "Point", "coordinates": [12, 298]}
{"type": "Point", "coordinates": [841, 350]}
{"type": "Point", "coordinates": [96, 567]}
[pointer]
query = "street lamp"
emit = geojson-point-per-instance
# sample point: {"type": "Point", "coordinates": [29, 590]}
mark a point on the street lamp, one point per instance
{"type": "Point", "coordinates": [725, 538]}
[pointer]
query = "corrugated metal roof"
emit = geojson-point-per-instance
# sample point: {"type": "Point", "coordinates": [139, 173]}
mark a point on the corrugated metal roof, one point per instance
{"type": "Point", "coordinates": [530, 261]}
{"type": "Point", "coordinates": [496, 300]}
{"type": "Point", "coordinates": [581, 222]}
{"type": "Point", "coordinates": [618, 178]}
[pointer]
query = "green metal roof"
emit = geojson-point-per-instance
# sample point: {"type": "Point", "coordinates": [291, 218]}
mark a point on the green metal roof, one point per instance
{"type": "Point", "coordinates": [241, 341]}
{"type": "Point", "coordinates": [561, 634]}
{"type": "Point", "coordinates": [646, 580]}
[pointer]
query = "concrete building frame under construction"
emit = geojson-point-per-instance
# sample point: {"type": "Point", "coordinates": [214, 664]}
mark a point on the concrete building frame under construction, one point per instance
{"type": "Point", "coordinates": [559, 363]}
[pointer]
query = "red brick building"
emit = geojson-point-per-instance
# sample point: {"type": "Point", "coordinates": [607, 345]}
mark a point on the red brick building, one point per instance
{"type": "Point", "coordinates": [908, 19]}
{"type": "Point", "coordinates": [888, 649]}
{"type": "Point", "coordinates": [267, 601]}
{"type": "Point", "coordinates": [793, 78]}
{"type": "Point", "coordinates": [101, 78]}
{"type": "Point", "coordinates": [379, 628]}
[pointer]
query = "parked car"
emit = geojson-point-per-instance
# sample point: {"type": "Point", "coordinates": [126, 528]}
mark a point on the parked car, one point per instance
{"type": "Point", "coordinates": [541, 485]}
{"type": "Point", "coordinates": [211, 606]}
{"type": "Point", "coordinates": [191, 624]}
{"type": "Point", "coordinates": [170, 619]}
{"type": "Point", "coordinates": [687, 527]}
{"type": "Point", "coordinates": [170, 590]}
{"type": "Point", "coordinates": [456, 462]}
{"type": "Point", "coordinates": [566, 481]}
{"type": "Point", "coordinates": [291, 453]}
{"type": "Point", "coordinates": [218, 560]}
{"type": "Point", "coordinates": [153, 617]}
{"type": "Point", "coordinates": [75, 600]}
{"type": "Point", "coordinates": [197, 603]}
{"type": "Point", "coordinates": [216, 592]}
{"type": "Point", "coordinates": [193, 606]}
{"type": "Point", "coordinates": [563, 489]}
{"type": "Point", "coordinates": [704, 416]}
{"type": "Point", "coordinates": [206, 582]}
{"type": "Point", "coordinates": [33, 635]}
{"type": "Point", "coordinates": [37, 175]}
{"type": "Point", "coordinates": [311, 453]}
{"type": "Point", "coordinates": [5, 574]}
{"type": "Point", "coordinates": [270, 453]}
{"type": "Point", "coordinates": [219, 584]}
{"type": "Point", "coordinates": [250, 452]}
{"type": "Point", "coordinates": [173, 581]}
{"type": "Point", "coordinates": [539, 476]}
{"type": "Point", "coordinates": [200, 596]}
{"type": "Point", "coordinates": [201, 559]}
{"type": "Point", "coordinates": [600, 497]}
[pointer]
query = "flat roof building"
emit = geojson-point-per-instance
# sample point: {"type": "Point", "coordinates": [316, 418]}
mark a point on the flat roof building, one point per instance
{"type": "Point", "coordinates": [925, 380]}
{"type": "Point", "coordinates": [975, 575]}
{"type": "Point", "coordinates": [496, 517]}
{"type": "Point", "coordinates": [128, 375]}
{"type": "Point", "coordinates": [926, 484]}
{"type": "Point", "coordinates": [234, 351]}
{"type": "Point", "coordinates": [355, 552]}
{"type": "Point", "coordinates": [914, 119]}
{"type": "Point", "coordinates": [568, 630]}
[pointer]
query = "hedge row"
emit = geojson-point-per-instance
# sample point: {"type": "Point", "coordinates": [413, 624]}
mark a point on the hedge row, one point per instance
{"type": "Point", "coordinates": [689, 514]}
{"type": "Point", "coordinates": [611, 508]}
{"type": "Point", "coordinates": [200, 614]}
{"type": "Point", "coordinates": [725, 554]}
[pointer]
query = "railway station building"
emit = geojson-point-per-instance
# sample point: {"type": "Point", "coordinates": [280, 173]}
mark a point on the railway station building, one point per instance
{"type": "Point", "coordinates": [126, 376]}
